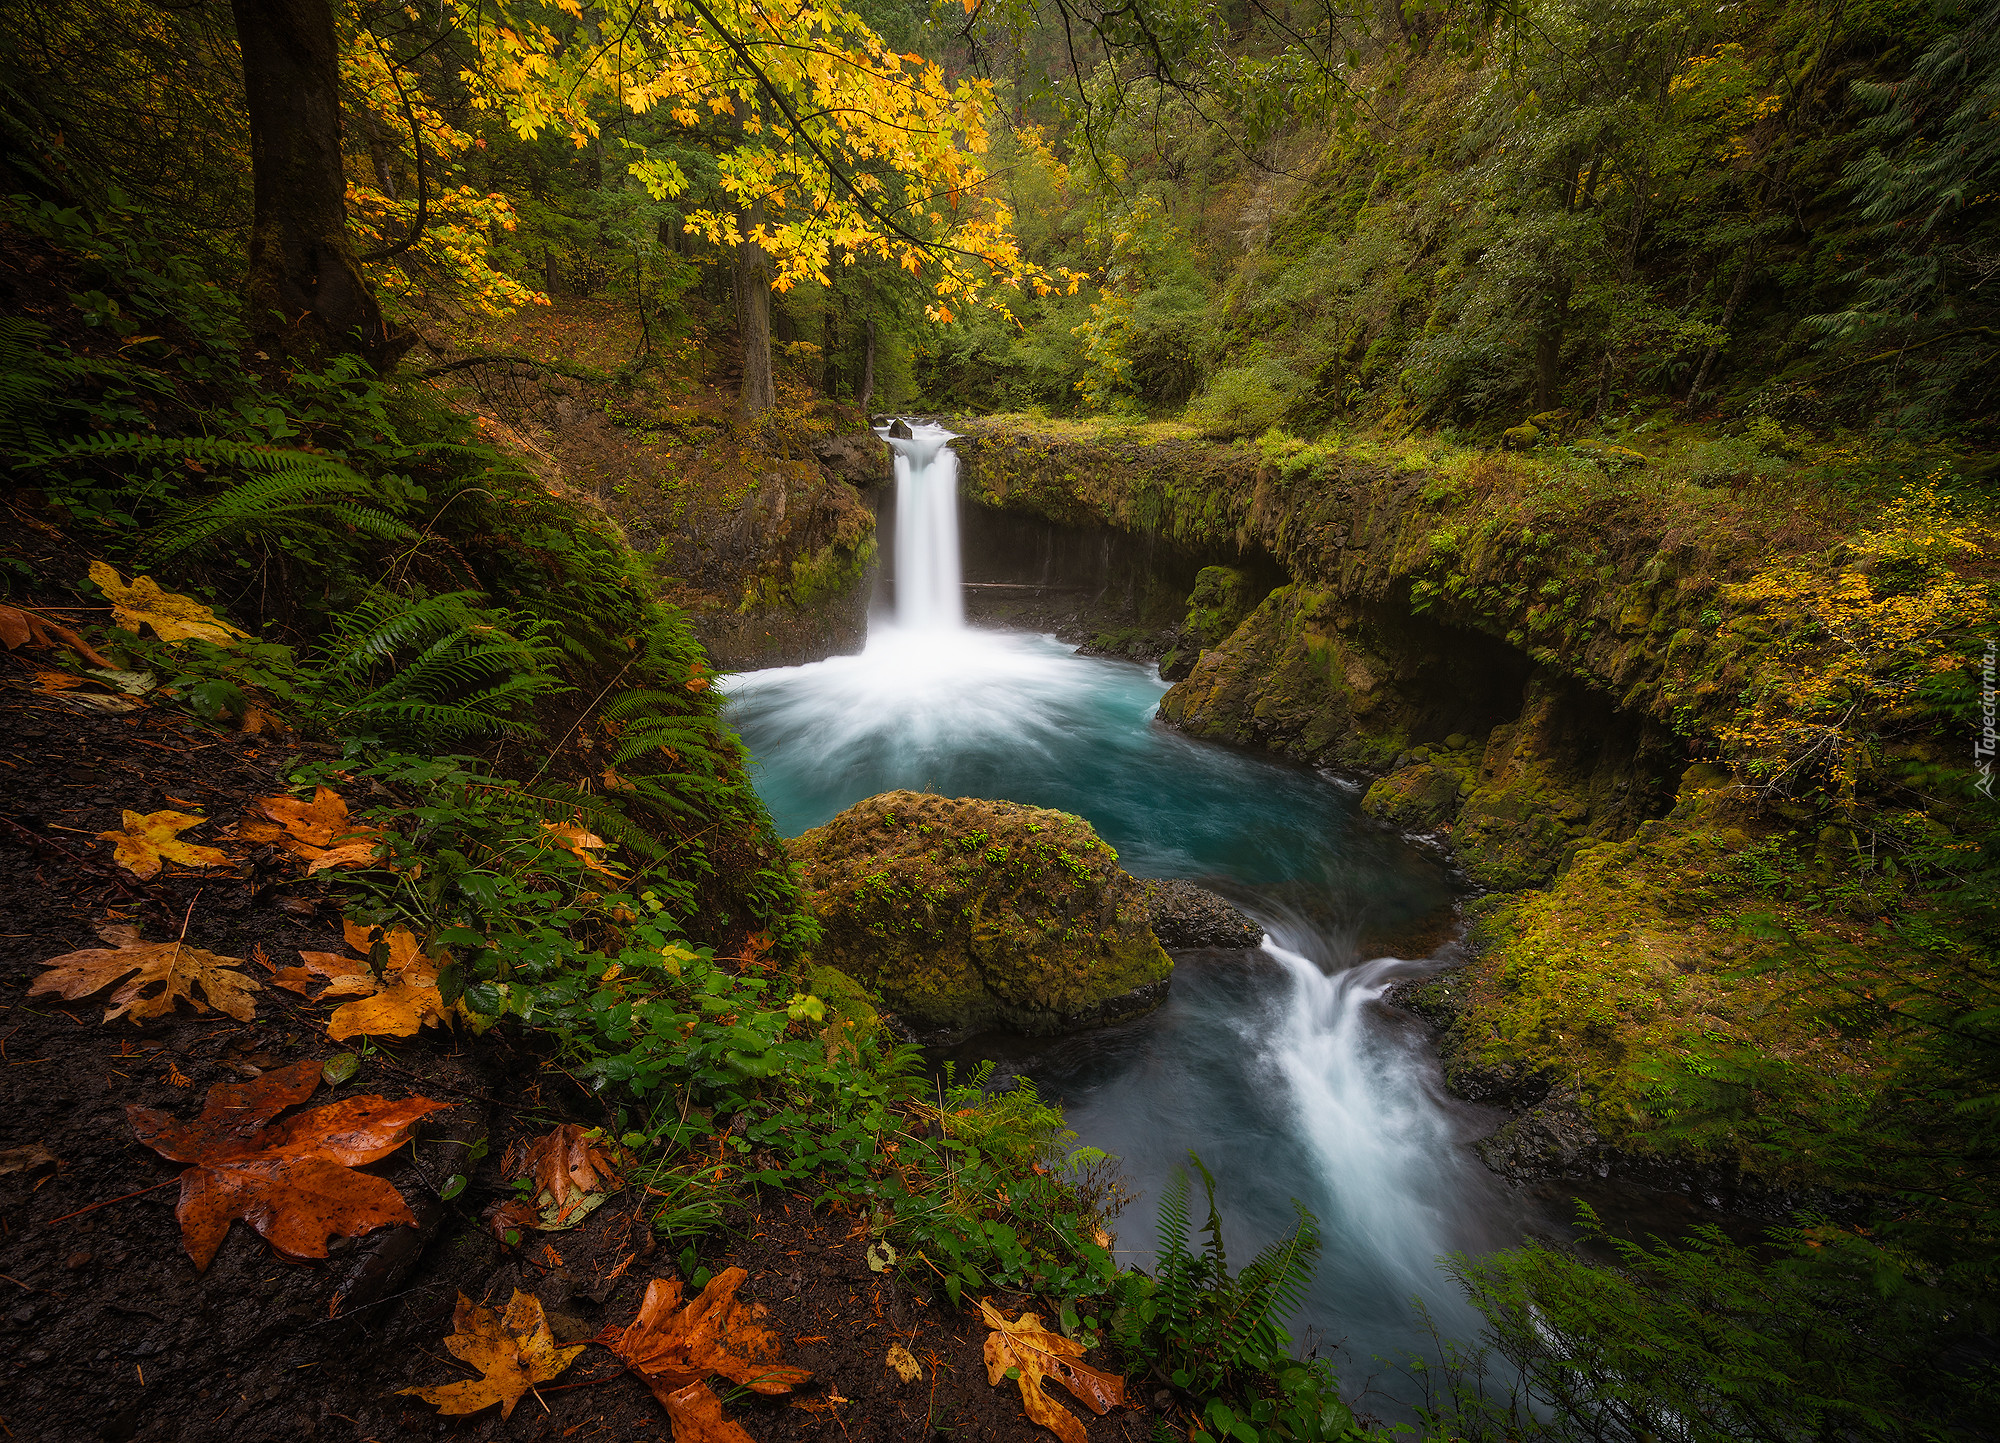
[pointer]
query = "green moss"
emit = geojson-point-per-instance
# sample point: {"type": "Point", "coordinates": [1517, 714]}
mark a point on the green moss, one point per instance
{"type": "Point", "coordinates": [1048, 934]}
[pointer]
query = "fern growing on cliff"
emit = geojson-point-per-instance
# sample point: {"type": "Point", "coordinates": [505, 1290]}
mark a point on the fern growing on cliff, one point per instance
{"type": "Point", "coordinates": [437, 668]}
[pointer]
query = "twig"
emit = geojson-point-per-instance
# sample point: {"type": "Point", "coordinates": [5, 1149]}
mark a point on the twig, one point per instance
{"type": "Point", "coordinates": [109, 1201]}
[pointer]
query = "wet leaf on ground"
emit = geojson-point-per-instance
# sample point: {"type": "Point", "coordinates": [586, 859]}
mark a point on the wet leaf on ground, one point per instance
{"type": "Point", "coordinates": [513, 1351]}
{"type": "Point", "coordinates": [1034, 1354]}
{"type": "Point", "coordinates": [294, 1181]}
{"type": "Point", "coordinates": [175, 969]}
{"type": "Point", "coordinates": [149, 840]}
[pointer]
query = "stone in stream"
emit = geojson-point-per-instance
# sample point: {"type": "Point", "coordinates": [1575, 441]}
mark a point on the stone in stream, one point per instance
{"type": "Point", "coordinates": [966, 914]}
{"type": "Point", "coordinates": [1185, 916]}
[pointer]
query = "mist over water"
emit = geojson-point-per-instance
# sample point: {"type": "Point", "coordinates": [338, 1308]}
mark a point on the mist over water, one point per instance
{"type": "Point", "coordinates": [1276, 1065]}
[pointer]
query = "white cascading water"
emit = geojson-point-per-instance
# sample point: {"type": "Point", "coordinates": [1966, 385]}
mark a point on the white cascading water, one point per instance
{"type": "Point", "coordinates": [928, 595]}
{"type": "Point", "coordinates": [1386, 1150]}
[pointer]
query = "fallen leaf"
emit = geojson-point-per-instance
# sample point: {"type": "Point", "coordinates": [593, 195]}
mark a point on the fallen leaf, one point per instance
{"type": "Point", "coordinates": [132, 683]}
{"type": "Point", "coordinates": [151, 838]}
{"type": "Point", "coordinates": [574, 1170]}
{"type": "Point", "coordinates": [293, 1181]}
{"type": "Point", "coordinates": [319, 832]}
{"type": "Point", "coordinates": [1024, 1345]}
{"type": "Point", "coordinates": [696, 1416]}
{"type": "Point", "coordinates": [512, 1215]}
{"type": "Point", "coordinates": [175, 967]}
{"type": "Point", "coordinates": [401, 1002]}
{"type": "Point", "coordinates": [576, 841]}
{"type": "Point", "coordinates": [20, 627]}
{"type": "Point", "coordinates": [173, 617]}
{"type": "Point", "coordinates": [513, 1351]}
{"type": "Point", "coordinates": [907, 1368]}
{"type": "Point", "coordinates": [675, 1349]}
{"type": "Point", "coordinates": [26, 1159]}
{"type": "Point", "coordinates": [97, 701]}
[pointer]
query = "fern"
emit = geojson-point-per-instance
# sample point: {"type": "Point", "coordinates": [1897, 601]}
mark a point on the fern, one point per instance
{"type": "Point", "coordinates": [436, 669]}
{"type": "Point", "coordinates": [1214, 1328]}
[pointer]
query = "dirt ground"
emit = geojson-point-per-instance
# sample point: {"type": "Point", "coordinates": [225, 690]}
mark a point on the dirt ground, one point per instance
{"type": "Point", "coordinates": [107, 1331]}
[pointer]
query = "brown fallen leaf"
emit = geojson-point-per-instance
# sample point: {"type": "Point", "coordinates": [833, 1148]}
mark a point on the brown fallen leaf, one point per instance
{"type": "Point", "coordinates": [1023, 1344]}
{"type": "Point", "coordinates": [318, 832]}
{"type": "Point", "coordinates": [26, 1159]}
{"type": "Point", "coordinates": [515, 1216]}
{"type": "Point", "coordinates": [574, 1169]}
{"type": "Point", "coordinates": [293, 1181]}
{"type": "Point", "coordinates": [150, 839]}
{"type": "Point", "coordinates": [173, 617]}
{"type": "Point", "coordinates": [20, 627]}
{"type": "Point", "coordinates": [675, 1349]}
{"type": "Point", "coordinates": [175, 968]}
{"type": "Point", "coordinates": [513, 1351]}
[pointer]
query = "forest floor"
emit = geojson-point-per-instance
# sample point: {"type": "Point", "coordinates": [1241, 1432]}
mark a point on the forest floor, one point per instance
{"type": "Point", "coordinates": [108, 1331]}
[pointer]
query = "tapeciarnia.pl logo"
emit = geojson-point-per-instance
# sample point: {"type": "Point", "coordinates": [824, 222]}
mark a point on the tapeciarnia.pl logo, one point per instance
{"type": "Point", "coordinates": [1983, 744]}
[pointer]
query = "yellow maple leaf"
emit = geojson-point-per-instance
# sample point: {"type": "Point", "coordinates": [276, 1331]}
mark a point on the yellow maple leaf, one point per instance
{"type": "Point", "coordinates": [174, 967]}
{"type": "Point", "coordinates": [401, 1004]}
{"type": "Point", "coordinates": [1024, 1346]}
{"type": "Point", "coordinates": [513, 1351]}
{"type": "Point", "coordinates": [149, 839]}
{"type": "Point", "coordinates": [172, 616]}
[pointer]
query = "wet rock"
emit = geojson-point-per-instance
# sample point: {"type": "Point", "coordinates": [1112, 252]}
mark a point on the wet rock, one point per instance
{"type": "Point", "coordinates": [965, 914]}
{"type": "Point", "coordinates": [1417, 798]}
{"type": "Point", "coordinates": [900, 429]}
{"type": "Point", "coordinates": [857, 460]}
{"type": "Point", "coordinates": [1186, 916]}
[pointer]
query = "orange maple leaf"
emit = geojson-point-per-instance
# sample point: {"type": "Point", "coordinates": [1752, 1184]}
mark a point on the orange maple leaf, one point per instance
{"type": "Point", "coordinates": [674, 1350]}
{"type": "Point", "coordinates": [293, 1181]}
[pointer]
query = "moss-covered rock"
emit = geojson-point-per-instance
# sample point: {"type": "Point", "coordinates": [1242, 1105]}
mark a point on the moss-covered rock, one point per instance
{"type": "Point", "coordinates": [1418, 798]}
{"type": "Point", "coordinates": [964, 913]}
{"type": "Point", "coordinates": [1222, 597]}
{"type": "Point", "coordinates": [851, 1019]}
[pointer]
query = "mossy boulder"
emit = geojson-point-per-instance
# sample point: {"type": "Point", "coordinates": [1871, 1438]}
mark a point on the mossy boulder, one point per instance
{"type": "Point", "coordinates": [964, 914]}
{"type": "Point", "coordinates": [851, 1019]}
{"type": "Point", "coordinates": [1418, 798]}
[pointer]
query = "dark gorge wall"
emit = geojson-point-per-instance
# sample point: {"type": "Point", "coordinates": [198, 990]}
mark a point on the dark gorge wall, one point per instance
{"type": "Point", "coordinates": [1360, 657]}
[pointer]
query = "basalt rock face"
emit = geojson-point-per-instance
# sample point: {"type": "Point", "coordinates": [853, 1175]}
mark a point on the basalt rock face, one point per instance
{"type": "Point", "coordinates": [965, 914]}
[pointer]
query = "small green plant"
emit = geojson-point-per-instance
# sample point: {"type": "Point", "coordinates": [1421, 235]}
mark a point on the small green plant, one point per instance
{"type": "Point", "coordinates": [1217, 1334]}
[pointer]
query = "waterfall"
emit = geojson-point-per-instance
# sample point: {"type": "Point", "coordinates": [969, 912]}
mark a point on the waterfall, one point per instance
{"type": "Point", "coordinates": [928, 596]}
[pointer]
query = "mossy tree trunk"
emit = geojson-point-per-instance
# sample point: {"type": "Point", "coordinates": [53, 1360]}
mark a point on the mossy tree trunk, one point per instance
{"type": "Point", "coordinates": [306, 295]}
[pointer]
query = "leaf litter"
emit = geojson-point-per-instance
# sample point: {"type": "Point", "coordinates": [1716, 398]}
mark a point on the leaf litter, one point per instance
{"type": "Point", "coordinates": [319, 832]}
{"type": "Point", "coordinates": [400, 1001]}
{"type": "Point", "coordinates": [149, 840]}
{"type": "Point", "coordinates": [676, 1349]}
{"type": "Point", "coordinates": [1033, 1354]}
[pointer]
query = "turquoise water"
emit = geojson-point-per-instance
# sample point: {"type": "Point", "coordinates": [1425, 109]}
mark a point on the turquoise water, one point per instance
{"type": "Point", "coordinates": [1276, 1064]}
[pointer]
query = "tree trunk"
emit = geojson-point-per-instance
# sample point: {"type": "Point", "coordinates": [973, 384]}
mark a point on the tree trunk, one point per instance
{"type": "Point", "coordinates": [867, 396]}
{"type": "Point", "coordinates": [1548, 350]}
{"type": "Point", "coordinates": [306, 295]}
{"type": "Point", "coordinates": [1742, 284]}
{"type": "Point", "coordinates": [753, 293]}
{"type": "Point", "coordinates": [829, 340]}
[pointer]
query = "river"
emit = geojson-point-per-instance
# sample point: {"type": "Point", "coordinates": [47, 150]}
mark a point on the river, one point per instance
{"type": "Point", "coordinates": [1278, 1066]}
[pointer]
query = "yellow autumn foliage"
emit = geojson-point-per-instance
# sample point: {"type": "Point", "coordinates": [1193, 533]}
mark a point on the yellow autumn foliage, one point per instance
{"type": "Point", "coordinates": [1857, 634]}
